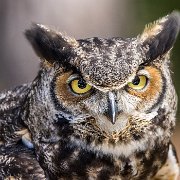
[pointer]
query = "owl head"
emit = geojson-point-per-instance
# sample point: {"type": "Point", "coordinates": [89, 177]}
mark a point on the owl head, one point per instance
{"type": "Point", "coordinates": [112, 94]}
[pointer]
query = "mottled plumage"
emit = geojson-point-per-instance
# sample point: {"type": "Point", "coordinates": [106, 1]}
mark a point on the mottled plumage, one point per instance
{"type": "Point", "coordinates": [98, 108]}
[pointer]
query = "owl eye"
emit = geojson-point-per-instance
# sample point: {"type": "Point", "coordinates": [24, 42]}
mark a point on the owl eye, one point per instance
{"type": "Point", "coordinates": [79, 86]}
{"type": "Point", "coordinates": [138, 83]}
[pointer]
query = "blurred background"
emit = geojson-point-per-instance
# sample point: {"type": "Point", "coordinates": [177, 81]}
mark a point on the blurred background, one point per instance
{"type": "Point", "coordinates": [80, 19]}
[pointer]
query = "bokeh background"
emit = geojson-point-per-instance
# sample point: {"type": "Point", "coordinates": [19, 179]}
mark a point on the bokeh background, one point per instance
{"type": "Point", "coordinates": [80, 19]}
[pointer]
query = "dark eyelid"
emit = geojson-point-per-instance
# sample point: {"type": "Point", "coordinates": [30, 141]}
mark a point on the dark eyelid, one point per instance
{"type": "Point", "coordinates": [73, 77]}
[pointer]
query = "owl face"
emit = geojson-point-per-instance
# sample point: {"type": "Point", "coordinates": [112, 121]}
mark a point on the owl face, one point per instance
{"type": "Point", "coordinates": [109, 91]}
{"type": "Point", "coordinates": [112, 104]}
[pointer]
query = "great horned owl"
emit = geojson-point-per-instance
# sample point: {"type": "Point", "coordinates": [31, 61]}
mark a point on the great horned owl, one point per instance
{"type": "Point", "coordinates": [98, 108]}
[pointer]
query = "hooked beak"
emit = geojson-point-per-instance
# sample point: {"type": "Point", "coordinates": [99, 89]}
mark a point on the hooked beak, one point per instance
{"type": "Point", "coordinates": [112, 107]}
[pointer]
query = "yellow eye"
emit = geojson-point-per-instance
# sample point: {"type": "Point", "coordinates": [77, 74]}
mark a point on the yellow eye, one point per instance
{"type": "Point", "coordinates": [138, 83]}
{"type": "Point", "coordinates": [79, 86]}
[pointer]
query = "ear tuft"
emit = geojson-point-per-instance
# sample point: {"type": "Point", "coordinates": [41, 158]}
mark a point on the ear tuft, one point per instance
{"type": "Point", "coordinates": [160, 35]}
{"type": "Point", "coordinates": [49, 44]}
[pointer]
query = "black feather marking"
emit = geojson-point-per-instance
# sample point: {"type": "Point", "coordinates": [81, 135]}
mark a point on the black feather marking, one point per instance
{"type": "Point", "coordinates": [164, 40]}
{"type": "Point", "coordinates": [49, 44]}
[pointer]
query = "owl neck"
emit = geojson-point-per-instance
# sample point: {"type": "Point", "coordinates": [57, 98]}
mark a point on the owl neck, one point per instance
{"type": "Point", "coordinates": [67, 160]}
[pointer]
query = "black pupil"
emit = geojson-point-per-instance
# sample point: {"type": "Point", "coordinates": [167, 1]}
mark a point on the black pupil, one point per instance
{"type": "Point", "coordinates": [136, 80]}
{"type": "Point", "coordinates": [82, 84]}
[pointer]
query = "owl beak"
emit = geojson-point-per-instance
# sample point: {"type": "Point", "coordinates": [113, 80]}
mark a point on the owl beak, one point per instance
{"type": "Point", "coordinates": [112, 108]}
